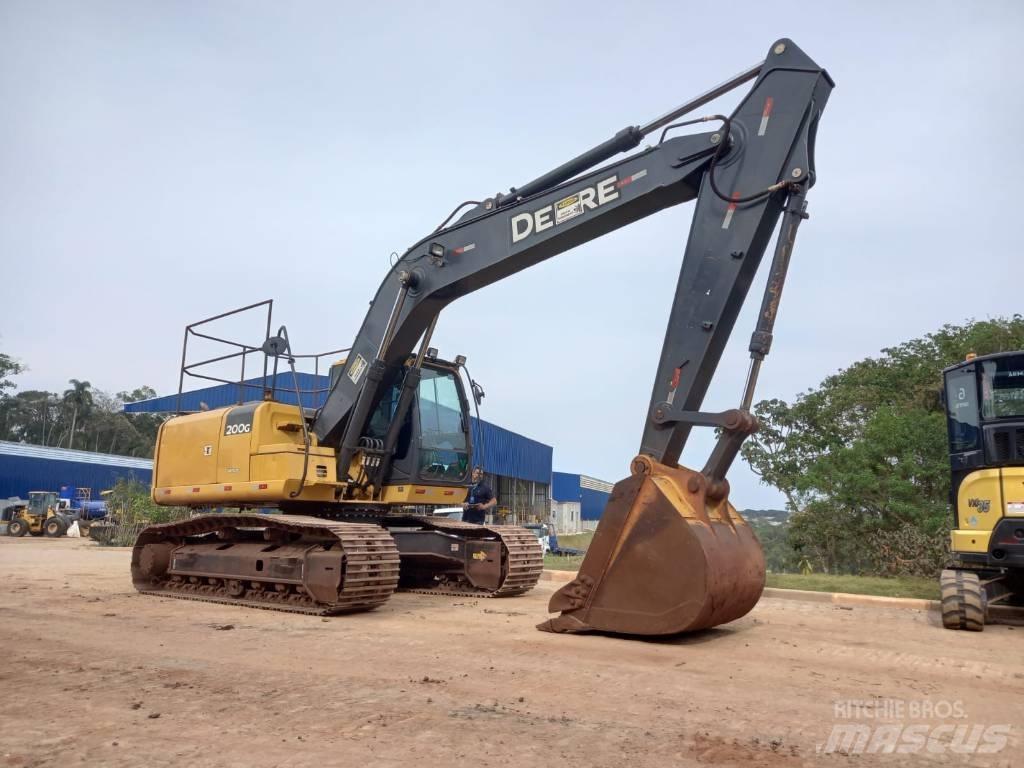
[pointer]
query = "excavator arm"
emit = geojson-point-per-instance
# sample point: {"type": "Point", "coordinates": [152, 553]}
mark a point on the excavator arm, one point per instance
{"type": "Point", "coordinates": [769, 146]}
{"type": "Point", "coordinates": [752, 168]}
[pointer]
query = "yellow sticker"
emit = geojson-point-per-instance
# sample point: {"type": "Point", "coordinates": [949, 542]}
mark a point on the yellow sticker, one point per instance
{"type": "Point", "coordinates": [568, 208]}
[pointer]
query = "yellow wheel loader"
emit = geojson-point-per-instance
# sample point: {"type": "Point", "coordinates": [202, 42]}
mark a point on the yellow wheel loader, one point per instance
{"type": "Point", "coordinates": [45, 514]}
{"type": "Point", "coordinates": [357, 474]}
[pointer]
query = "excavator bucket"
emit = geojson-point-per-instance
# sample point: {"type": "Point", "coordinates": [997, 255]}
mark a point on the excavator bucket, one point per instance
{"type": "Point", "coordinates": [665, 559]}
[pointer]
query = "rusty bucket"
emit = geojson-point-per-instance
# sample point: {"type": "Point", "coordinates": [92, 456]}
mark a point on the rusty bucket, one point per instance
{"type": "Point", "coordinates": [665, 559]}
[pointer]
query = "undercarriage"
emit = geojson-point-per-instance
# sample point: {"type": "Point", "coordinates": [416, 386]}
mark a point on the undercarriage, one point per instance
{"type": "Point", "coordinates": [305, 564]}
{"type": "Point", "coordinates": [973, 596]}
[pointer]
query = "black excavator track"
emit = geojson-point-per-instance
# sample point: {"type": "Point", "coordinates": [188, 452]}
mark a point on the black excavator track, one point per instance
{"type": "Point", "coordinates": [362, 574]}
{"type": "Point", "coordinates": [310, 565]}
{"type": "Point", "coordinates": [521, 566]}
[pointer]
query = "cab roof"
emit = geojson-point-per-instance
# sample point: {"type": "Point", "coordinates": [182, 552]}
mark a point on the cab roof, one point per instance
{"type": "Point", "coordinates": [982, 358]}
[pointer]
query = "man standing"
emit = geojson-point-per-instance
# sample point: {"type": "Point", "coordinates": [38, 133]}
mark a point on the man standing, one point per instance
{"type": "Point", "coordinates": [480, 500]}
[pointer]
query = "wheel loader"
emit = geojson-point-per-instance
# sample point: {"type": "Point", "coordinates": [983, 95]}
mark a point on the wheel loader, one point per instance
{"type": "Point", "coordinates": [45, 514]}
{"type": "Point", "coordinates": [984, 398]}
{"type": "Point", "coordinates": [354, 475]}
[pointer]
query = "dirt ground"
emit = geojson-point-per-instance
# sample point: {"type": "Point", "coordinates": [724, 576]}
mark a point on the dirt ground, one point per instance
{"type": "Point", "coordinates": [93, 674]}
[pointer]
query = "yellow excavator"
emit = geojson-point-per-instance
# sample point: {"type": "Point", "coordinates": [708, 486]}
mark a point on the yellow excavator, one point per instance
{"type": "Point", "coordinates": [984, 398]}
{"type": "Point", "coordinates": [356, 476]}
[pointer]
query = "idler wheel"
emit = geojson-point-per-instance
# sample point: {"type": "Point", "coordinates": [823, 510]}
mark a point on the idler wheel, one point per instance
{"type": "Point", "coordinates": [155, 559]}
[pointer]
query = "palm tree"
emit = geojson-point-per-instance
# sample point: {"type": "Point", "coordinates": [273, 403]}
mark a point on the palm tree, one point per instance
{"type": "Point", "coordinates": [80, 399]}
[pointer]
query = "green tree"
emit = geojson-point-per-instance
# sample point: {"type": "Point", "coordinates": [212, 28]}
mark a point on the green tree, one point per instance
{"type": "Point", "coordinates": [145, 425]}
{"type": "Point", "coordinates": [31, 416]}
{"type": "Point", "coordinates": [80, 401]}
{"type": "Point", "coordinates": [8, 367]}
{"type": "Point", "coordinates": [862, 458]}
{"type": "Point", "coordinates": [81, 416]}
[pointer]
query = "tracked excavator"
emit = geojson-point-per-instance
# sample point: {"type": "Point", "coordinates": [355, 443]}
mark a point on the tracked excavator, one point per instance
{"type": "Point", "coordinates": [671, 553]}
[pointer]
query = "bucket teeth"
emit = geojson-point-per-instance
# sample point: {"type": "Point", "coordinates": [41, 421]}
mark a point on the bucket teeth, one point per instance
{"type": "Point", "coordinates": [664, 559]}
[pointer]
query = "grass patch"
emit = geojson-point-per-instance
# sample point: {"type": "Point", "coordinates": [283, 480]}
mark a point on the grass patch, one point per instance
{"type": "Point", "coordinates": [577, 540]}
{"type": "Point", "coordinates": [900, 586]}
{"type": "Point", "coordinates": [559, 563]}
{"type": "Point", "coordinates": [562, 563]}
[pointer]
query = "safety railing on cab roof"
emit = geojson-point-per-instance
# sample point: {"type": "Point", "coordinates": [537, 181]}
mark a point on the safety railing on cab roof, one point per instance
{"type": "Point", "coordinates": [267, 385]}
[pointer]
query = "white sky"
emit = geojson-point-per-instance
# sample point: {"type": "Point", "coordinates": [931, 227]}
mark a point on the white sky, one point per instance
{"type": "Point", "coordinates": [161, 162]}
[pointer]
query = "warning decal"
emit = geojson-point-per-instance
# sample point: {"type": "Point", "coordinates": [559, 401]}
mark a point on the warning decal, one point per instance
{"type": "Point", "coordinates": [568, 208]}
{"type": "Point", "coordinates": [356, 370]}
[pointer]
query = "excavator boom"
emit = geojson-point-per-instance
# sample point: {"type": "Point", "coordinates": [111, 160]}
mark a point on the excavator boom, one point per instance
{"type": "Point", "coordinates": [741, 175]}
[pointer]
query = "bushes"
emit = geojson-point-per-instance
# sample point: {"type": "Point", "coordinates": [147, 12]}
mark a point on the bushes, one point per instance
{"type": "Point", "coordinates": [131, 509]}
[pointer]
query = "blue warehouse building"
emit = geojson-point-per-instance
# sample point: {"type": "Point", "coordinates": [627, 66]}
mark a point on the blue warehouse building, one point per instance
{"type": "Point", "coordinates": [25, 468]}
{"type": "Point", "coordinates": [577, 501]}
{"type": "Point", "coordinates": [517, 467]}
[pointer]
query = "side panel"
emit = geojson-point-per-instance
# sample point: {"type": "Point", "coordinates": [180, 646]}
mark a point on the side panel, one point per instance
{"type": "Point", "coordinates": [423, 494]}
{"type": "Point", "coordinates": [249, 454]}
{"type": "Point", "coordinates": [186, 449]}
{"type": "Point", "coordinates": [1013, 492]}
{"type": "Point", "coordinates": [980, 507]}
{"type": "Point", "coordinates": [236, 442]}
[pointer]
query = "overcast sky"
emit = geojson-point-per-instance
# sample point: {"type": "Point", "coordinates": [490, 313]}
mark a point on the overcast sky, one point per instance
{"type": "Point", "coordinates": [164, 161]}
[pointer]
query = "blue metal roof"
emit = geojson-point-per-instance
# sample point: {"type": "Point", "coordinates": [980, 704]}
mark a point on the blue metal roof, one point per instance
{"type": "Point", "coordinates": [25, 468]}
{"type": "Point", "coordinates": [66, 454]}
{"type": "Point", "coordinates": [313, 389]}
{"type": "Point", "coordinates": [500, 451]}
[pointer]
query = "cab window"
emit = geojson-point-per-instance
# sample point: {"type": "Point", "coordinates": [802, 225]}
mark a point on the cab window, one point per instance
{"type": "Point", "coordinates": [444, 453]}
{"type": "Point", "coordinates": [1002, 388]}
{"type": "Point", "coordinates": [962, 411]}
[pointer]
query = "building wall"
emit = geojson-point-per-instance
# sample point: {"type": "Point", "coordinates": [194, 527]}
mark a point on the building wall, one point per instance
{"type": "Point", "coordinates": [591, 494]}
{"type": "Point", "coordinates": [565, 516]}
{"type": "Point", "coordinates": [503, 452]}
{"type": "Point", "coordinates": [25, 468]}
{"type": "Point", "coordinates": [565, 486]}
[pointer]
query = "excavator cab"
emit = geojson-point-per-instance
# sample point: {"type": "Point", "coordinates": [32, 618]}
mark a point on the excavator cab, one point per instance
{"type": "Point", "coordinates": [984, 398]}
{"type": "Point", "coordinates": [434, 440]}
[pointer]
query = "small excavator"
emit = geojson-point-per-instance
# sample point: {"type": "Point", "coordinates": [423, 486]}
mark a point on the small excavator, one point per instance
{"type": "Point", "coordinates": [984, 397]}
{"type": "Point", "coordinates": [354, 476]}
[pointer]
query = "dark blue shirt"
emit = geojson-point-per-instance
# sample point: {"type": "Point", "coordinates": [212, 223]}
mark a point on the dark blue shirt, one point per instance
{"type": "Point", "coordinates": [480, 493]}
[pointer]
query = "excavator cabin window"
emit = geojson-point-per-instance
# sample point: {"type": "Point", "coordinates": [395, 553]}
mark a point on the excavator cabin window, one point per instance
{"type": "Point", "coordinates": [381, 417]}
{"type": "Point", "coordinates": [444, 453]}
{"type": "Point", "coordinates": [962, 410]}
{"type": "Point", "coordinates": [1002, 388]}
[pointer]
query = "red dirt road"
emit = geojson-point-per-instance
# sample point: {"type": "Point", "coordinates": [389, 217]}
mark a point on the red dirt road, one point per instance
{"type": "Point", "coordinates": [94, 674]}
